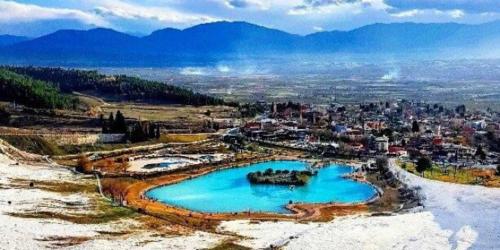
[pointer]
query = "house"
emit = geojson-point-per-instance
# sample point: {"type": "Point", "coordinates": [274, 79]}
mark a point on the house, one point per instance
{"type": "Point", "coordinates": [397, 151]}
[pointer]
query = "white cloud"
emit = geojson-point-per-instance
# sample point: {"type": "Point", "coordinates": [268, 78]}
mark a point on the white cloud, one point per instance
{"type": "Point", "coordinates": [407, 13]}
{"type": "Point", "coordinates": [296, 16]}
{"type": "Point", "coordinates": [246, 4]}
{"type": "Point", "coordinates": [342, 7]}
{"type": "Point", "coordinates": [470, 6]}
{"type": "Point", "coordinates": [121, 9]}
{"type": "Point", "coordinates": [14, 12]}
{"type": "Point", "coordinates": [455, 14]}
{"type": "Point", "coordinates": [317, 28]}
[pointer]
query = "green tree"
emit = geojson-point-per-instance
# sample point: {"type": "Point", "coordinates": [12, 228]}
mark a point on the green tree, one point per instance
{"type": "Point", "coordinates": [138, 134]}
{"type": "Point", "coordinates": [423, 164]}
{"type": "Point", "coordinates": [381, 163]}
{"type": "Point", "coordinates": [461, 110]}
{"type": "Point", "coordinates": [33, 93]}
{"type": "Point", "coordinates": [158, 133]}
{"type": "Point", "coordinates": [4, 116]}
{"type": "Point", "coordinates": [108, 127]}
{"type": "Point", "coordinates": [125, 87]}
{"type": "Point", "coordinates": [480, 153]}
{"type": "Point", "coordinates": [120, 125]}
{"type": "Point", "coordinates": [403, 165]}
{"type": "Point", "coordinates": [415, 128]}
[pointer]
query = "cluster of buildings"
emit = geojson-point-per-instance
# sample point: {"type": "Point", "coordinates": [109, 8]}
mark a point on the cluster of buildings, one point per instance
{"type": "Point", "coordinates": [400, 128]}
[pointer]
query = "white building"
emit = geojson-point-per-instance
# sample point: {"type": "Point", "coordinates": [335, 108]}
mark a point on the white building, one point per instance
{"type": "Point", "coordinates": [382, 144]}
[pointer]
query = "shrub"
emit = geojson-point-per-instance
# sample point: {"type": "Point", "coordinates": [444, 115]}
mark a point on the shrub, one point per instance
{"type": "Point", "coordinates": [268, 171]}
{"type": "Point", "coordinates": [403, 165]}
{"type": "Point", "coordinates": [423, 164]}
{"type": "Point", "coordinates": [381, 163]}
{"type": "Point", "coordinates": [84, 165]}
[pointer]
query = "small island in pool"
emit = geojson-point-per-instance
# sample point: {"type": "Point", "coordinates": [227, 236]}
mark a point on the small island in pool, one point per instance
{"type": "Point", "coordinates": [280, 177]}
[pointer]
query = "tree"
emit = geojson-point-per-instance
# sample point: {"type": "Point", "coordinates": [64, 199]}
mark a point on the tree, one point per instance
{"type": "Point", "coordinates": [103, 124]}
{"type": "Point", "coordinates": [33, 93]}
{"type": "Point", "coordinates": [4, 116]}
{"type": "Point", "coordinates": [498, 169]}
{"type": "Point", "coordinates": [480, 153]}
{"type": "Point", "coordinates": [111, 121]}
{"type": "Point", "coordinates": [84, 164]}
{"type": "Point", "coordinates": [461, 110]}
{"type": "Point", "coordinates": [381, 163]}
{"type": "Point", "coordinates": [423, 164]}
{"type": "Point", "coordinates": [137, 134]}
{"type": "Point", "coordinates": [151, 131]}
{"type": "Point", "coordinates": [125, 87]}
{"type": "Point", "coordinates": [415, 128]}
{"type": "Point", "coordinates": [158, 133]}
{"type": "Point", "coordinates": [120, 125]}
{"type": "Point", "coordinates": [268, 171]}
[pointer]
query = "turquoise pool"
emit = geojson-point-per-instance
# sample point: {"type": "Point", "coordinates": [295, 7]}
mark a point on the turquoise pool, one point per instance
{"type": "Point", "coordinates": [229, 191]}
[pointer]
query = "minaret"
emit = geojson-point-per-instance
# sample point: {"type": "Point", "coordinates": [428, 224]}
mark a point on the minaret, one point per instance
{"type": "Point", "coordinates": [301, 120]}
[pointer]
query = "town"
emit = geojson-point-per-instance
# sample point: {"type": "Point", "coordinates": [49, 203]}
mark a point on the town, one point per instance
{"type": "Point", "coordinates": [451, 137]}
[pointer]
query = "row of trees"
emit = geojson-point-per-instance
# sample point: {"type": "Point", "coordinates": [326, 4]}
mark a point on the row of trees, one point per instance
{"type": "Point", "coordinates": [114, 125]}
{"type": "Point", "coordinates": [124, 87]}
{"type": "Point", "coordinates": [144, 131]}
{"type": "Point", "coordinates": [33, 93]}
{"type": "Point", "coordinates": [138, 132]}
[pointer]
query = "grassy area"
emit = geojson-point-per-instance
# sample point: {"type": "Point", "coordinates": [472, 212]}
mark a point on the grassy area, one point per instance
{"type": "Point", "coordinates": [77, 149]}
{"type": "Point", "coordinates": [168, 113]}
{"type": "Point", "coordinates": [62, 187]}
{"type": "Point", "coordinates": [183, 138]}
{"type": "Point", "coordinates": [471, 176]}
{"type": "Point", "coordinates": [33, 144]}
{"type": "Point", "coordinates": [64, 241]}
{"type": "Point", "coordinates": [38, 145]}
{"type": "Point", "coordinates": [99, 211]}
{"type": "Point", "coordinates": [228, 245]}
{"type": "Point", "coordinates": [104, 212]}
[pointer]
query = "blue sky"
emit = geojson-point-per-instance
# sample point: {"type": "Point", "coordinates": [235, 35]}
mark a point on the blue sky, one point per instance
{"type": "Point", "coordinates": [37, 17]}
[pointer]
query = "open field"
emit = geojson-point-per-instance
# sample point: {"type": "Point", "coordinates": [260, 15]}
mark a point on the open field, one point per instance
{"type": "Point", "coordinates": [169, 113]}
{"type": "Point", "coordinates": [183, 138]}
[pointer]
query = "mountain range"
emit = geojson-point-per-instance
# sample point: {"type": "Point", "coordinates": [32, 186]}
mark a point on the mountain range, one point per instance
{"type": "Point", "coordinates": [6, 40]}
{"type": "Point", "coordinates": [210, 41]}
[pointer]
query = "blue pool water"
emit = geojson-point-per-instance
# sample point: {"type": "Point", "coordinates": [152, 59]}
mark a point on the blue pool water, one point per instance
{"type": "Point", "coordinates": [229, 190]}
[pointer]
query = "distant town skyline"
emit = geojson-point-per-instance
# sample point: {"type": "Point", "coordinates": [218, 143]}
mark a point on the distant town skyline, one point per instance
{"type": "Point", "coordinates": [38, 17]}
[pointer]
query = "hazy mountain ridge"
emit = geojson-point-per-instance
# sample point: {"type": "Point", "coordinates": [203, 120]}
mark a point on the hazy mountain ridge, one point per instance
{"type": "Point", "coordinates": [6, 40]}
{"type": "Point", "coordinates": [212, 40]}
